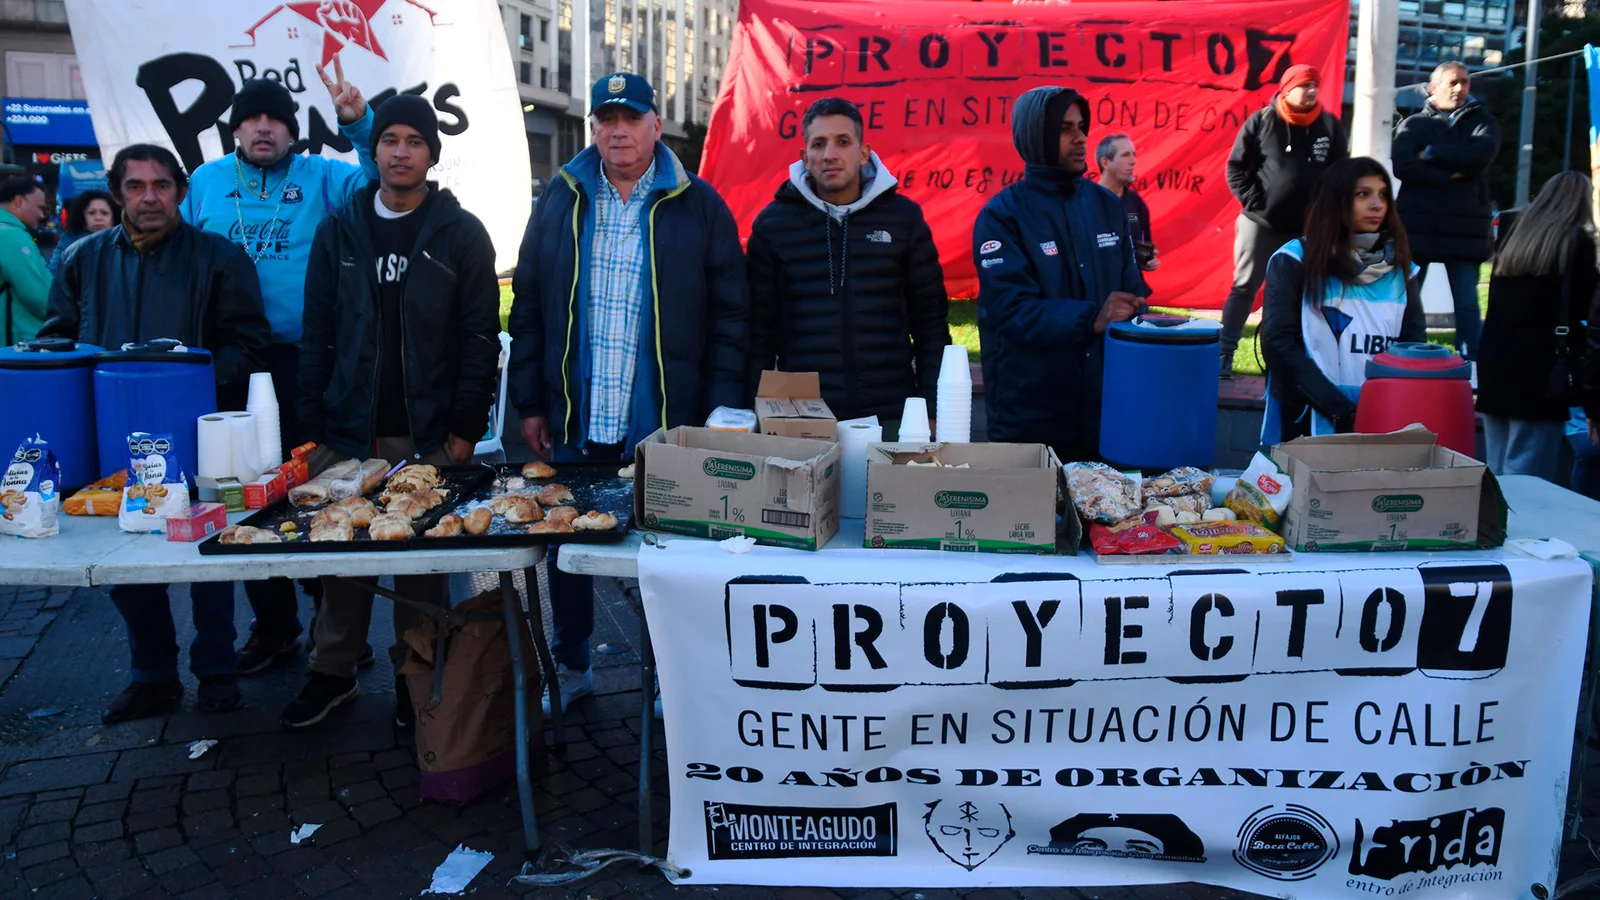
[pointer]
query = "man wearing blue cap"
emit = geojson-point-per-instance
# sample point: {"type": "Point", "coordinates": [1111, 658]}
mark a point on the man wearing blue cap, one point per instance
{"type": "Point", "coordinates": [270, 201]}
{"type": "Point", "coordinates": [630, 313]}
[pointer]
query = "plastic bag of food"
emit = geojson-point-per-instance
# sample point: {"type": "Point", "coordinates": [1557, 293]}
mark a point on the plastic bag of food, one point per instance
{"type": "Point", "coordinates": [360, 482]}
{"type": "Point", "coordinates": [1101, 494]}
{"type": "Point", "coordinates": [30, 497]}
{"type": "Point", "coordinates": [1190, 503]}
{"type": "Point", "coordinates": [726, 418]}
{"type": "Point", "coordinates": [1180, 482]}
{"type": "Point", "coordinates": [1262, 494]}
{"type": "Point", "coordinates": [156, 489]}
{"type": "Point", "coordinates": [103, 498]}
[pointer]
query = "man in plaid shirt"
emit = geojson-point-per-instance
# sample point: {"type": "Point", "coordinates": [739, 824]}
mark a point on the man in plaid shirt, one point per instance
{"type": "Point", "coordinates": [630, 313]}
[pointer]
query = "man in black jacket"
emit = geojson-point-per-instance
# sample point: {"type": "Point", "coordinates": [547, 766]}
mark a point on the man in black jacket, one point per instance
{"type": "Point", "coordinates": [1277, 158]}
{"type": "Point", "coordinates": [1442, 156]}
{"type": "Point", "coordinates": [402, 319]}
{"type": "Point", "coordinates": [866, 307]}
{"type": "Point", "coordinates": [106, 292]}
{"type": "Point", "coordinates": [630, 313]}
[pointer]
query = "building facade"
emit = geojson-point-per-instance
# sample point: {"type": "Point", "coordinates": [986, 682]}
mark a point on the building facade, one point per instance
{"type": "Point", "coordinates": [1477, 32]}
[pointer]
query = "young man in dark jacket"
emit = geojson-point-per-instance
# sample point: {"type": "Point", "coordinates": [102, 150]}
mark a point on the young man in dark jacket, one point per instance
{"type": "Point", "coordinates": [630, 313]}
{"type": "Point", "coordinates": [865, 306]}
{"type": "Point", "coordinates": [1278, 156]}
{"type": "Point", "coordinates": [1055, 268]}
{"type": "Point", "coordinates": [106, 293]}
{"type": "Point", "coordinates": [402, 322]}
{"type": "Point", "coordinates": [1442, 156]}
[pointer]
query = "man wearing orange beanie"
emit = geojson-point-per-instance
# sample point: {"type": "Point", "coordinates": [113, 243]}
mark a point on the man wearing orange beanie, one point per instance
{"type": "Point", "coordinates": [1278, 156]}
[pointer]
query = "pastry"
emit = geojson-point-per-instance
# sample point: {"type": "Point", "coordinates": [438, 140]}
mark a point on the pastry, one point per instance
{"type": "Point", "coordinates": [408, 506]}
{"type": "Point", "coordinates": [364, 480]}
{"type": "Point", "coordinates": [478, 521]}
{"type": "Point", "coordinates": [538, 469]}
{"type": "Point", "coordinates": [523, 511]}
{"type": "Point", "coordinates": [562, 513]}
{"type": "Point", "coordinates": [554, 495]}
{"type": "Point", "coordinates": [361, 514]}
{"type": "Point", "coordinates": [316, 492]}
{"type": "Point", "coordinates": [595, 521]}
{"type": "Point", "coordinates": [625, 472]}
{"type": "Point", "coordinates": [390, 527]}
{"type": "Point", "coordinates": [333, 515]}
{"type": "Point", "coordinates": [500, 504]}
{"type": "Point", "coordinates": [549, 526]}
{"type": "Point", "coordinates": [514, 484]}
{"type": "Point", "coordinates": [246, 534]}
{"type": "Point", "coordinates": [449, 526]}
{"type": "Point", "coordinates": [341, 531]}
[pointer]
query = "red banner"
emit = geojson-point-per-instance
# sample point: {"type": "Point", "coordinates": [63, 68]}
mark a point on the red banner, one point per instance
{"type": "Point", "coordinates": [935, 82]}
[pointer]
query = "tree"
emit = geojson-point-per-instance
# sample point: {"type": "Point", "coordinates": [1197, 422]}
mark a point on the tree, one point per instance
{"type": "Point", "coordinates": [1503, 96]}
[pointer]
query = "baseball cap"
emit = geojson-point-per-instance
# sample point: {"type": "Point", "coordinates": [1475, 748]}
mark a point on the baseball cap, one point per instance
{"type": "Point", "coordinates": [624, 88]}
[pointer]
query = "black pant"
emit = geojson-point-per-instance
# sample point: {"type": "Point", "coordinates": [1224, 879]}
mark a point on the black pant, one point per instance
{"type": "Point", "coordinates": [273, 601]}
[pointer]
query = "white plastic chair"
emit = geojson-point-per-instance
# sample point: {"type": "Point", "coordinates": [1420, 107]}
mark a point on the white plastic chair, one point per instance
{"type": "Point", "coordinates": [494, 441]}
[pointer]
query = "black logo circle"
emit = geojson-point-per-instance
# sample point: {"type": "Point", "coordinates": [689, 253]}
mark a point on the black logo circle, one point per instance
{"type": "Point", "coordinates": [1286, 843]}
{"type": "Point", "coordinates": [1540, 892]}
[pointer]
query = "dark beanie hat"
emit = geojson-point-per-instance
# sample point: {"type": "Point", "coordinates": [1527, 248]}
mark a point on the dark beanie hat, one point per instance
{"type": "Point", "coordinates": [1055, 110]}
{"type": "Point", "coordinates": [262, 95]}
{"type": "Point", "coordinates": [407, 109]}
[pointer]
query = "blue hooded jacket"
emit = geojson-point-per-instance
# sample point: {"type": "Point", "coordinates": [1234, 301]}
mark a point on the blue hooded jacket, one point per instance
{"type": "Point", "coordinates": [313, 188]}
{"type": "Point", "coordinates": [1049, 249]}
{"type": "Point", "coordinates": [695, 322]}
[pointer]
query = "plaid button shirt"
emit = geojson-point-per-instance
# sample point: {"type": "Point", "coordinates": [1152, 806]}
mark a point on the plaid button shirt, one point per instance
{"type": "Point", "coordinates": [616, 272]}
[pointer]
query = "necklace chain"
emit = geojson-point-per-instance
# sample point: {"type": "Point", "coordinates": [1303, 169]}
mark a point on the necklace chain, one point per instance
{"type": "Point", "coordinates": [283, 186]}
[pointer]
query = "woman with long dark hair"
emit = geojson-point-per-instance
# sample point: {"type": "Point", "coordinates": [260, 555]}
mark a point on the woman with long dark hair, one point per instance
{"type": "Point", "coordinates": [88, 213]}
{"type": "Point", "coordinates": [1543, 281]}
{"type": "Point", "coordinates": [1334, 298]}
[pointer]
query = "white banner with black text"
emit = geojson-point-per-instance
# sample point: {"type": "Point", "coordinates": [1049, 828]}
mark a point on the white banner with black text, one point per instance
{"type": "Point", "coordinates": [165, 71]}
{"type": "Point", "coordinates": [1340, 726]}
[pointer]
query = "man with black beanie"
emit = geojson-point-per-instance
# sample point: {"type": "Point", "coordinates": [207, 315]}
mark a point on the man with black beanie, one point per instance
{"type": "Point", "coordinates": [270, 201]}
{"type": "Point", "coordinates": [1055, 268]}
{"type": "Point", "coordinates": [402, 323]}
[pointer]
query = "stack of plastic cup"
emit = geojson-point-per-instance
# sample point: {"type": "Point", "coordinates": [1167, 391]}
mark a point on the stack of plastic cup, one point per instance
{"type": "Point", "coordinates": [914, 422]}
{"type": "Point", "coordinates": [263, 404]}
{"type": "Point", "coordinates": [955, 396]}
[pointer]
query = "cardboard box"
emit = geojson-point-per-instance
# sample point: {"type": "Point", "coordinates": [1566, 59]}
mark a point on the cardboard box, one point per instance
{"type": "Point", "coordinates": [1004, 501]}
{"type": "Point", "coordinates": [204, 519]}
{"type": "Point", "coordinates": [720, 484]}
{"type": "Point", "coordinates": [265, 491]}
{"type": "Point", "coordinates": [1397, 491]}
{"type": "Point", "coordinates": [789, 404]}
{"type": "Point", "coordinates": [295, 472]}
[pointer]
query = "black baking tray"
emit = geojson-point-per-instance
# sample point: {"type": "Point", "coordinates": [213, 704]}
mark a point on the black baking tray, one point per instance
{"type": "Point", "coordinates": [594, 485]}
{"type": "Point", "coordinates": [460, 481]}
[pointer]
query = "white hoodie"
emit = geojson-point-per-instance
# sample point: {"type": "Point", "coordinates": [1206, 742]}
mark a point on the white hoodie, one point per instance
{"type": "Point", "coordinates": [875, 179]}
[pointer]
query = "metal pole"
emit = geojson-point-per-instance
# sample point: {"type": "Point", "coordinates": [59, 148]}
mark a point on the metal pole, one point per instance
{"type": "Point", "coordinates": [1530, 90]}
{"type": "Point", "coordinates": [683, 35]}
{"type": "Point", "coordinates": [1377, 40]}
{"type": "Point", "coordinates": [1572, 93]}
{"type": "Point", "coordinates": [582, 65]}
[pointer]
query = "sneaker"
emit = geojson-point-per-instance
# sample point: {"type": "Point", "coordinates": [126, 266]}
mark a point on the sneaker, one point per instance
{"type": "Point", "coordinates": [1226, 371]}
{"type": "Point", "coordinates": [573, 686]}
{"type": "Point", "coordinates": [318, 698]}
{"type": "Point", "coordinates": [219, 693]}
{"type": "Point", "coordinates": [261, 653]}
{"type": "Point", "coordinates": [405, 715]}
{"type": "Point", "coordinates": [365, 662]}
{"type": "Point", "coordinates": [141, 701]}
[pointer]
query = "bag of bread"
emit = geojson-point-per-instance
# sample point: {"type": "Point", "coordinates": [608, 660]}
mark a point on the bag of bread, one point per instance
{"type": "Point", "coordinates": [1102, 494]}
{"type": "Point", "coordinates": [30, 499]}
{"type": "Point", "coordinates": [1262, 494]}
{"type": "Point", "coordinates": [156, 489]}
{"type": "Point", "coordinates": [103, 498]}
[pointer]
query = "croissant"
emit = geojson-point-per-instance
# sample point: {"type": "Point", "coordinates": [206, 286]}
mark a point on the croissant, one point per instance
{"type": "Point", "coordinates": [449, 526]}
{"type": "Point", "coordinates": [538, 470]}
{"type": "Point", "coordinates": [554, 495]}
{"type": "Point", "coordinates": [561, 513]}
{"type": "Point", "coordinates": [523, 511]}
{"type": "Point", "coordinates": [595, 521]}
{"type": "Point", "coordinates": [478, 521]}
{"type": "Point", "coordinates": [390, 527]}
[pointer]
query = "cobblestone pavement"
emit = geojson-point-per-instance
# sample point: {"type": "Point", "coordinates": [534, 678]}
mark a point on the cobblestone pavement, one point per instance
{"type": "Point", "coordinates": [122, 812]}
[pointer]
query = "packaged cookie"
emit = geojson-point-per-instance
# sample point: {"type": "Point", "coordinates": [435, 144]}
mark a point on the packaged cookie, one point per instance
{"type": "Point", "coordinates": [30, 494]}
{"type": "Point", "coordinates": [156, 489]}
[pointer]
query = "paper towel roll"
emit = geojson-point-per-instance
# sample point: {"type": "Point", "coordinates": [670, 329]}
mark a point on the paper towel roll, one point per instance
{"type": "Point", "coordinates": [216, 447]}
{"type": "Point", "coordinates": [245, 451]}
{"type": "Point", "coordinates": [854, 437]}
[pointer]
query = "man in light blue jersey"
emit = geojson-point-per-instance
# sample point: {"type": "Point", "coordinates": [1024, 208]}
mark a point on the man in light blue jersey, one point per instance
{"type": "Point", "coordinates": [270, 201]}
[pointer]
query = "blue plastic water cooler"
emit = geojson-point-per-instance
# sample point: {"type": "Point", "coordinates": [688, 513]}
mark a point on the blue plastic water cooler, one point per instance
{"type": "Point", "coordinates": [47, 389]}
{"type": "Point", "coordinates": [151, 389]}
{"type": "Point", "coordinates": [1159, 402]}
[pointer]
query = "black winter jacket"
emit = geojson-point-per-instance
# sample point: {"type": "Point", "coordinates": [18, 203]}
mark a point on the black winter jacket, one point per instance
{"type": "Point", "coordinates": [1591, 364]}
{"type": "Point", "coordinates": [1274, 165]}
{"type": "Point", "coordinates": [1050, 249]}
{"type": "Point", "coordinates": [858, 301]}
{"type": "Point", "coordinates": [450, 321]}
{"type": "Point", "coordinates": [1447, 218]}
{"type": "Point", "coordinates": [1519, 345]}
{"type": "Point", "coordinates": [694, 324]}
{"type": "Point", "coordinates": [195, 287]}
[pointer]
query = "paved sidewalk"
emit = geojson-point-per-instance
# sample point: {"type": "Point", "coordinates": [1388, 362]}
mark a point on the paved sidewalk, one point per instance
{"type": "Point", "coordinates": [122, 812]}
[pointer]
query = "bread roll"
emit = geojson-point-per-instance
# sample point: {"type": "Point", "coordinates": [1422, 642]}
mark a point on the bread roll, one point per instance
{"type": "Point", "coordinates": [538, 469]}
{"type": "Point", "coordinates": [478, 521]}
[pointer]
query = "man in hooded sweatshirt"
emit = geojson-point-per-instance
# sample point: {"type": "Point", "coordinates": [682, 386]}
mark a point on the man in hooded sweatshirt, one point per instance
{"type": "Point", "coordinates": [1277, 158]}
{"type": "Point", "coordinates": [1442, 156]}
{"type": "Point", "coordinates": [866, 306]}
{"type": "Point", "coordinates": [1055, 268]}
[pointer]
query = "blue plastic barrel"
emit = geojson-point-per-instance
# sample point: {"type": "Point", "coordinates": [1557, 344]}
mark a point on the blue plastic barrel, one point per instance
{"type": "Point", "coordinates": [152, 390]}
{"type": "Point", "coordinates": [47, 388]}
{"type": "Point", "coordinates": [1159, 403]}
